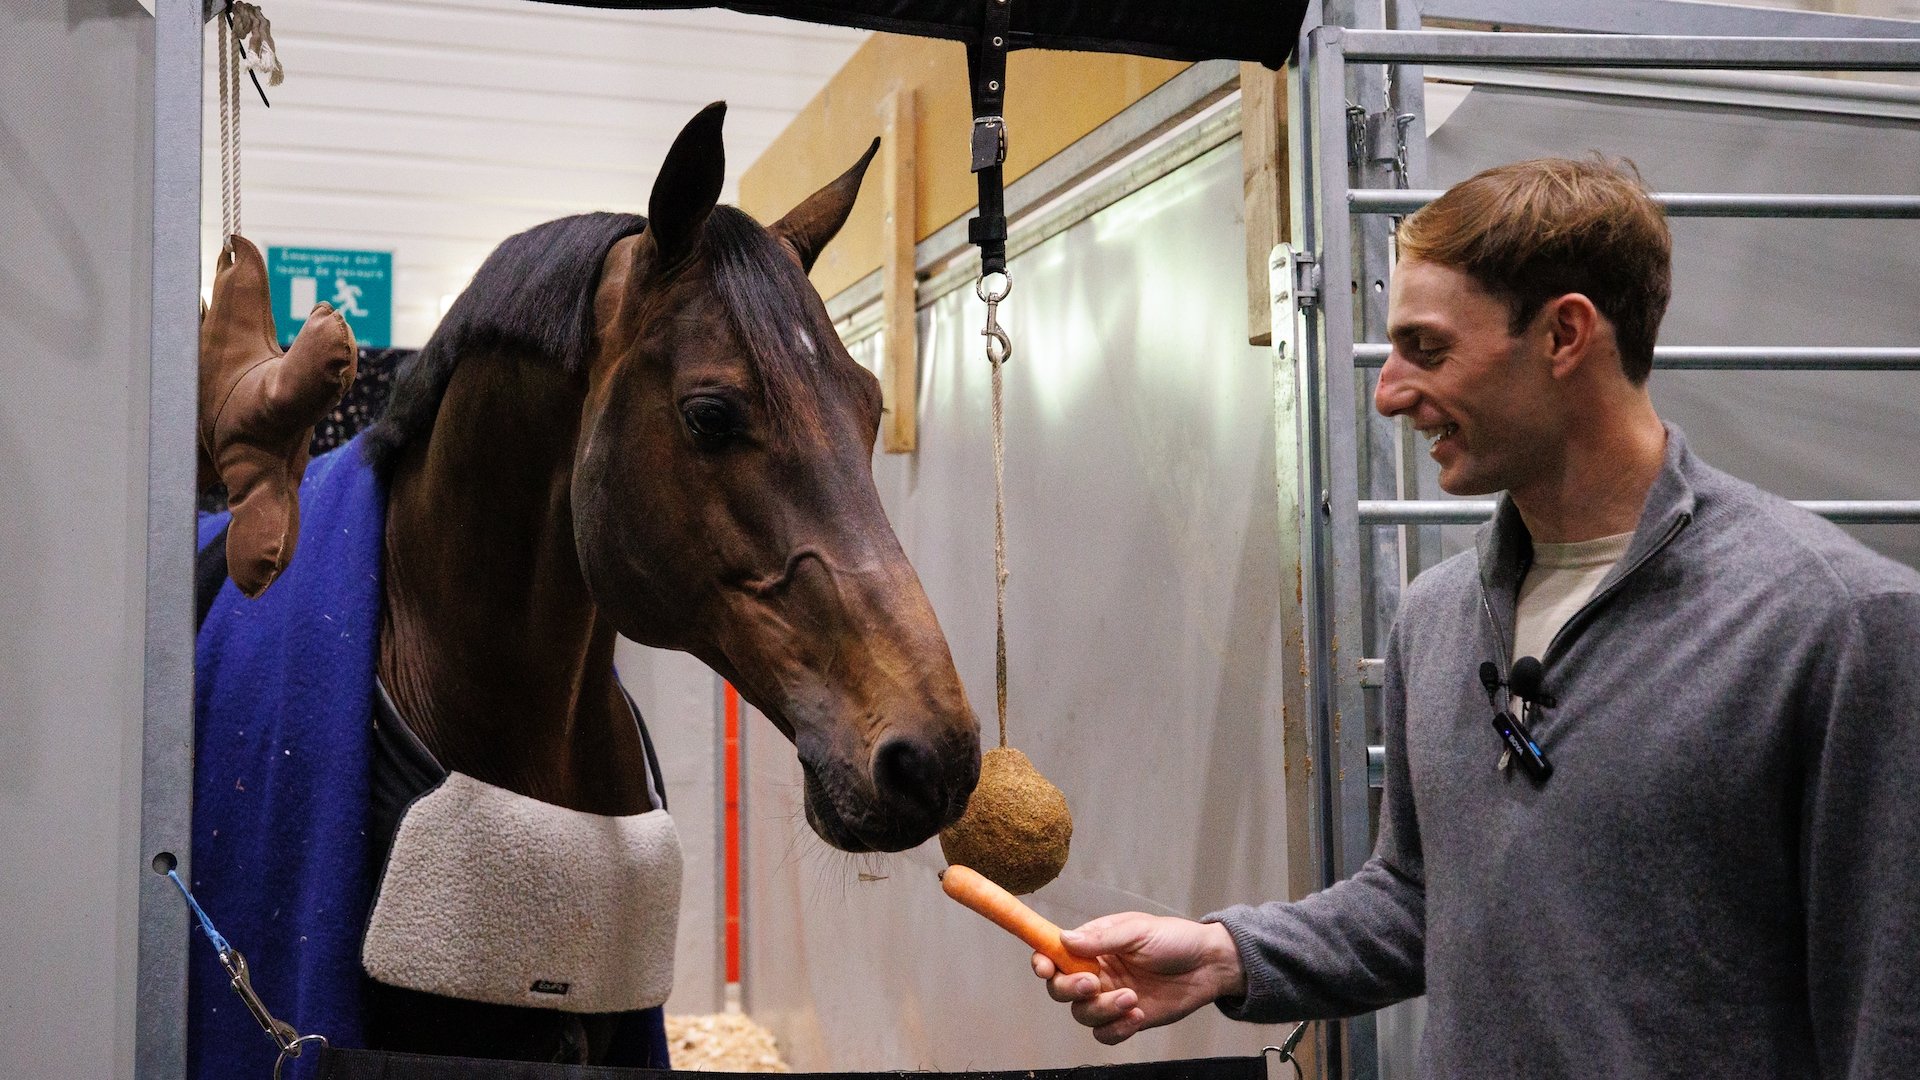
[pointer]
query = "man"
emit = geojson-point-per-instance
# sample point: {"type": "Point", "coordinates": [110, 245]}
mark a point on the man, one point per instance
{"type": "Point", "coordinates": [1720, 876]}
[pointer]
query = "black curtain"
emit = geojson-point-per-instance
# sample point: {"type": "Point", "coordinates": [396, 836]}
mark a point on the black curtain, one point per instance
{"type": "Point", "coordinates": [1259, 30]}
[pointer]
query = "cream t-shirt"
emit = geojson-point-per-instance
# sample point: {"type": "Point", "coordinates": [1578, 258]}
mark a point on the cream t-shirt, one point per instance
{"type": "Point", "coordinates": [1562, 579]}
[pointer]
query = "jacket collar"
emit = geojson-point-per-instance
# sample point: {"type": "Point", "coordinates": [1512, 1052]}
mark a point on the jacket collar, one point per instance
{"type": "Point", "coordinates": [1506, 549]}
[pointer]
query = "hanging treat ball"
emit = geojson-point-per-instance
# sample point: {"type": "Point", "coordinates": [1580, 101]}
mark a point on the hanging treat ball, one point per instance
{"type": "Point", "coordinates": [1016, 828]}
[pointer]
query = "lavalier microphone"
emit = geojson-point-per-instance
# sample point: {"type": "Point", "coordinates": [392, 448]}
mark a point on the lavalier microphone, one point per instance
{"type": "Point", "coordinates": [1523, 682]}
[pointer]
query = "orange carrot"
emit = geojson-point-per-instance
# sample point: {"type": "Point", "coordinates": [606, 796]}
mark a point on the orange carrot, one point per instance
{"type": "Point", "coordinates": [970, 888]}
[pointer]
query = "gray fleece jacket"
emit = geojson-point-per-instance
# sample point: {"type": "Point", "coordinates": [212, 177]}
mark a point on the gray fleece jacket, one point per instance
{"type": "Point", "coordinates": [1722, 876]}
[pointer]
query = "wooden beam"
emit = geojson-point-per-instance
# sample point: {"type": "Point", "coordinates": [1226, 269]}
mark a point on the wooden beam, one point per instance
{"type": "Point", "coordinates": [1263, 150]}
{"type": "Point", "coordinates": [900, 356]}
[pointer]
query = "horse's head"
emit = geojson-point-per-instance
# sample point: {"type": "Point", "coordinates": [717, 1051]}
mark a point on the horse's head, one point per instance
{"type": "Point", "coordinates": [724, 502]}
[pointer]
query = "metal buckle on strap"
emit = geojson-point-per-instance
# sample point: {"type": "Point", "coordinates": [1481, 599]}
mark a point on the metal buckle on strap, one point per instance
{"type": "Point", "coordinates": [989, 141]}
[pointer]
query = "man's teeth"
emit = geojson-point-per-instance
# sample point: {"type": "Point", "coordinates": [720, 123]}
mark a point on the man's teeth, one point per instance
{"type": "Point", "coordinates": [1436, 434]}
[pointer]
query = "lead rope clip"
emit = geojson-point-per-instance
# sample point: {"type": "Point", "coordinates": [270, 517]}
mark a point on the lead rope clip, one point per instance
{"type": "Point", "coordinates": [291, 1043]}
{"type": "Point", "coordinates": [999, 345]}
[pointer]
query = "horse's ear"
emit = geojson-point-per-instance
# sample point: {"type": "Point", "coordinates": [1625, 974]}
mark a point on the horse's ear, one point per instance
{"type": "Point", "coordinates": [810, 225]}
{"type": "Point", "coordinates": [688, 185]}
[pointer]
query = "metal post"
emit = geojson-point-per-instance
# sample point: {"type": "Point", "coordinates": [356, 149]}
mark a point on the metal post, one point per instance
{"type": "Point", "coordinates": [166, 780]}
{"type": "Point", "coordinates": [1330, 455]}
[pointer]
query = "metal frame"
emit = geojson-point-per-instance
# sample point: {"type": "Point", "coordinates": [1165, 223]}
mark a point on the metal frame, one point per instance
{"type": "Point", "coordinates": [166, 780]}
{"type": "Point", "coordinates": [1352, 482]}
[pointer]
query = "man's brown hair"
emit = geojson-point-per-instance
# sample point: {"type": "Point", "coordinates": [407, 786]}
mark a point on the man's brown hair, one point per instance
{"type": "Point", "coordinates": [1534, 230]}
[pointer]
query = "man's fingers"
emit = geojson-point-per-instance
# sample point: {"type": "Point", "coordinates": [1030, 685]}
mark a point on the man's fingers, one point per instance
{"type": "Point", "coordinates": [1078, 987]}
{"type": "Point", "coordinates": [1122, 1029]}
{"type": "Point", "coordinates": [1103, 1009]}
{"type": "Point", "coordinates": [1043, 966]}
{"type": "Point", "coordinates": [1108, 934]}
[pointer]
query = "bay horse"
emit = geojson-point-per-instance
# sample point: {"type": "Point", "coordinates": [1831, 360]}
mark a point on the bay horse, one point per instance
{"type": "Point", "coordinates": [649, 427]}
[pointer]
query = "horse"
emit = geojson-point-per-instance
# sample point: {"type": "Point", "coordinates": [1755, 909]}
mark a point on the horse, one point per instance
{"type": "Point", "coordinates": [647, 426]}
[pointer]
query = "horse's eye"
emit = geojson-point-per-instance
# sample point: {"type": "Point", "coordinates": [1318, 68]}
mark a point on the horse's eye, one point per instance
{"type": "Point", "coordinates": [711, 421]}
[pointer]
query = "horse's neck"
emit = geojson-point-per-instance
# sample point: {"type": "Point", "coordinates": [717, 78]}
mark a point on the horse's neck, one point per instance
{"type": "Point", "coordinates": [490, 644]}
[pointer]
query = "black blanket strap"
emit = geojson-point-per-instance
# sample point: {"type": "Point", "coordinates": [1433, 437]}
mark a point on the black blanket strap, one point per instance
{"type": "Point", "coordinates": [987, 73]}
{"type": "Point", "coordinates": [344, 1064]}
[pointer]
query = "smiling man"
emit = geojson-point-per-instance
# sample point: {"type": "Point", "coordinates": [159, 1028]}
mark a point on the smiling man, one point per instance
{"type": "Point", "coordinates": [1696, 852]}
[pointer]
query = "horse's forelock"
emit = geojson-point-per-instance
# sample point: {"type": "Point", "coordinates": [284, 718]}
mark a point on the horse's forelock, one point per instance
{"type": "Point", "coordinates": [776, 315]}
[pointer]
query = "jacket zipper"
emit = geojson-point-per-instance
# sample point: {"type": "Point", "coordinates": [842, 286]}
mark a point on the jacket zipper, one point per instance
{"type": "Point", "coordinates": [1499, 637]}
{"type": "Point", "coordinates": [1683, 521]}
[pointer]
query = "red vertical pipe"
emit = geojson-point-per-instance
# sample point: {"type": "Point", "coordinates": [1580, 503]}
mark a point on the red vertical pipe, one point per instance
{"type": "Point", "coordinates": [732, 830]}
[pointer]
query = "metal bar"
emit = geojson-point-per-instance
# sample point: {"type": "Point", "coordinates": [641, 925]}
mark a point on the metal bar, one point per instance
{"type": "Point", "coordinates": [1696, 204]}
{"type": "Point", "coordinates": [1741, 89]}
{"type": "Point", "coordinates": [1631, 50]}
{"type": "Point", "coordinates": [1468, 512]}
{"type": "Point", "coordinates": [1331, 551]}
{"type": "Point", "coordinates": [1665, 17]}
{"type": "Point", "coordinates": [159, 1002]}
{"type": "Point", "coordinates": [1373, 161]}
{"type": "Point", "coordinates": [1741, 357]}
{"type": "Point", "coordinates": [1426, 512]}
{"type": "Point", "coordinates": [1376, 766]}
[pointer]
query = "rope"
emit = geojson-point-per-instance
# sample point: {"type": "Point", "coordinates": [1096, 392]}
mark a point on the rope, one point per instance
{"type": "Point", "coordinates": [206, 925]}
{"type": "Point", "coordinates": [999, 549]}
{"type": "Point", "coordinates": [229, 131]}
{"type": "Point", "coordinates": [246, 40]}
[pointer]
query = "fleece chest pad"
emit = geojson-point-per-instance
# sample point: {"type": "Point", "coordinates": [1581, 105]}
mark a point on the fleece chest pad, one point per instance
{"type": "Point", "coordinates": [496, 897]}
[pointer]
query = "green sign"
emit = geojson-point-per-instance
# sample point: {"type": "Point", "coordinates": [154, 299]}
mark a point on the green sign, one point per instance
{"type": "Point", "coordinates": [359, 285]}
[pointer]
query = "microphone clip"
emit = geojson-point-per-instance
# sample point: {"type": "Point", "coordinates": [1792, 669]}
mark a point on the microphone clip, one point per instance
{"type": "Point", "coordinates": [1523, 682]}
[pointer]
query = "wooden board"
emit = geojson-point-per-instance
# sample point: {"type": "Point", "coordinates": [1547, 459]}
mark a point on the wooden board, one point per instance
{"type": "Point", "coordinates": [900, 356]}
{"type": "Point", "coordinates": [1263, 150]}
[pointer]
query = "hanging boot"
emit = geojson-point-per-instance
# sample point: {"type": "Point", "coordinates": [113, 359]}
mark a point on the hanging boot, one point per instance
{"type": "Point", "coordinates": [258, 408]}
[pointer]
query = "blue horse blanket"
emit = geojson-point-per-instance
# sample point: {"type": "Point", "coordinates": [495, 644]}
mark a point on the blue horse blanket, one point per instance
{"type": "Point", "coordinates": [283, 715]}
{"type": "Point", "coordinates": [284, 694]}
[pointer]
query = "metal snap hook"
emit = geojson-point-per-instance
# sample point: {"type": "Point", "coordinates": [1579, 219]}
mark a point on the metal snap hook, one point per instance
{"type": "Point", "coordinates": [999, 345]}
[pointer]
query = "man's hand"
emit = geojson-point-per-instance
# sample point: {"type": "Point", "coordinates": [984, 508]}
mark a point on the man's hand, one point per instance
{"type": "Point", "coordinates": [1153, 971]}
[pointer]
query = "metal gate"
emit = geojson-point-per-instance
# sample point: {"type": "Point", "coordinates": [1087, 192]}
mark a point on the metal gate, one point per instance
{"type": "Point", "coordinates": [1357, 156]}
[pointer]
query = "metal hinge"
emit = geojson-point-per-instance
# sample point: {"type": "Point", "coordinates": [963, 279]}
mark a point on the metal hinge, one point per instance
{"type": "Point", "coordinates": [1293, 278]}
{"type": "Point", "coordinates": [1306, 279]}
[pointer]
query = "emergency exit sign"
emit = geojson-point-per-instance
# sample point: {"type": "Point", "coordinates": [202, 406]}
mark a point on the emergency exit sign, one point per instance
{"type": "Point", "coordinates": [359, 285]}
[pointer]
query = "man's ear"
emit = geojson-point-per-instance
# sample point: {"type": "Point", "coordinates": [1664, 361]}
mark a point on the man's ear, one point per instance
{"type": "Point", "coordinates": [1578, 333]}
{"type": "Point", "coordinates": [810, 225]}
{"type": "Point", "coordinates": [688, 185]}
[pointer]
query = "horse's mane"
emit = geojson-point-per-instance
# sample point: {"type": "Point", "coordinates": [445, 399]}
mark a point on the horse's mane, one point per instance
{"type": "Point", "coordinates": [534, 295]}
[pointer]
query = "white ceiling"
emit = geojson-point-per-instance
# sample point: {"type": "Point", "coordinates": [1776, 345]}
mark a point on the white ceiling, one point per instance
{"type": "Point", "coordinates": [436, 129]}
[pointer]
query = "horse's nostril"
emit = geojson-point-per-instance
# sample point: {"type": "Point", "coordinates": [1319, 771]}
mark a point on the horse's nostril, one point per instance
{"type": "Point", "coordinates": [908, 768]}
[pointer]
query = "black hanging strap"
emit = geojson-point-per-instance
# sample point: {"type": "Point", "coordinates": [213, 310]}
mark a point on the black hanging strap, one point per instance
{"type": "Point", "coordinates": [987, 71]}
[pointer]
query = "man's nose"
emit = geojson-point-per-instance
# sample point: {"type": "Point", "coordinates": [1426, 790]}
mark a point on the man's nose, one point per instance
{"type": "Point", "coordinates": [1392, 395]}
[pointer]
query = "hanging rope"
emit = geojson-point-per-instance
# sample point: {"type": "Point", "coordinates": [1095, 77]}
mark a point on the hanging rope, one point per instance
{"type": "Point", "coordinates": [999, 555]}
{"type": "Point", "coordinates": [246, 40]}
{"type": "Point", "coordinates": [999, 349]}
{"type": "Point", "coordinates": [229, 131]}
